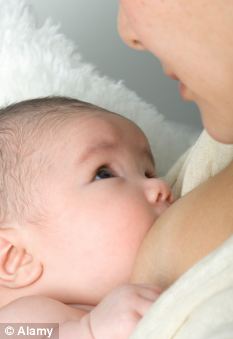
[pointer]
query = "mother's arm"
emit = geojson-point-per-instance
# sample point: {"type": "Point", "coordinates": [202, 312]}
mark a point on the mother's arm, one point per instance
{"type": "Point", "coordinates": [190, 229]}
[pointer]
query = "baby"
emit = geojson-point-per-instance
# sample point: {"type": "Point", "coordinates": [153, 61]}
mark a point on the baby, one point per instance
{"type": "Point", "coordinates": [78, 194]}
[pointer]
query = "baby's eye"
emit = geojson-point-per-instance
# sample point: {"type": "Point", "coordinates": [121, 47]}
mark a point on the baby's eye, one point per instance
{"type": "Point", "coordinates": [150, 174]}
{"type": "Point", "coordinates": [104, 172]}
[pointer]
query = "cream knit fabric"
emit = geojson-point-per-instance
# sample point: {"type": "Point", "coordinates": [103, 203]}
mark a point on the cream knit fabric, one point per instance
{"type": "Point", "coordinates": [203, 160]}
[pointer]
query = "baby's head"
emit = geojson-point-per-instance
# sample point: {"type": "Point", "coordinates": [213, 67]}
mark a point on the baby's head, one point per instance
{"type": "Point", "coordinates": [78, 194]}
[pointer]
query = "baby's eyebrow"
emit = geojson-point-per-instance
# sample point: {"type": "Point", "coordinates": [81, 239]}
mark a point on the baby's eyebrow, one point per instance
{"type": "Point", "coordinates": [97, 147]}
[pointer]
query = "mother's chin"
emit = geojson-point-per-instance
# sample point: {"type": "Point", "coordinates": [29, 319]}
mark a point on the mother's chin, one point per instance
{"type": "Point", "coordinates": [218, 122]}
{"type": "Point", "coordinates": [221, 131]}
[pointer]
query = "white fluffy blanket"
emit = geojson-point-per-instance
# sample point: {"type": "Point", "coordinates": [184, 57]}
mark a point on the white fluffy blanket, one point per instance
{"type": "Point", "coordinates": [39, 61]}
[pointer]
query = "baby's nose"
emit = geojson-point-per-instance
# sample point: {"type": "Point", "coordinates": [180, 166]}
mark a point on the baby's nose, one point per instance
{"type": "Point", "coordinates": [126, 33]}
{"type": "Point", "coordinates": [158, 193]}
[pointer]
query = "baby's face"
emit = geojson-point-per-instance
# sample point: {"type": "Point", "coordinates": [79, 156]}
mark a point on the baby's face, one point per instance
{"type": "Point", "coordinates": [100, 196]}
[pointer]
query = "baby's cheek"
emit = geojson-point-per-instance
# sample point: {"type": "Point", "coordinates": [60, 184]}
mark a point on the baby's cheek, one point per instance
{"type": "Point", "coordinates": [131, 214]}
{"type": "Point", "coordinates": [140, 221]}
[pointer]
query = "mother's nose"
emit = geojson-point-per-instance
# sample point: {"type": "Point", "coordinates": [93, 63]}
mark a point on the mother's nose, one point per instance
{"type": "Point", "coordinates": [126, 32]}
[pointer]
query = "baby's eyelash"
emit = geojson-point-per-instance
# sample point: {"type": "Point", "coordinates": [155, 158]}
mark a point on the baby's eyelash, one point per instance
{"type": "Point", "coordinates": [150, 174]}
{"type": "Point", "coordinates": [106, 171]}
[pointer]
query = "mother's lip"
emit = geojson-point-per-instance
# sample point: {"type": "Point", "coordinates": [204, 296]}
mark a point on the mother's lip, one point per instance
{"type": "Point", "coordinates": [169, 73]}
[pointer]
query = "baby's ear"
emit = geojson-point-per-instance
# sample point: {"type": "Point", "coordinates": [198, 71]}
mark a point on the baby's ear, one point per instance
{"type": "Point", "coordinates": [17, 267]}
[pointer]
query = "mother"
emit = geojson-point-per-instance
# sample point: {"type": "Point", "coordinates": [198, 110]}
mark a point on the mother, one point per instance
{"type": "Point", "coordinates": [194, 41]}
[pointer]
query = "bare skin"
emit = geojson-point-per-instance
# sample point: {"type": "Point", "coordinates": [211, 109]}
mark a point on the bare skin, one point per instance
{"type": "Point", "coordinates": [195, 225]}
{"type": "Point", "coordinates": [178, 33]}
{"type": "Point", "coordinates": [76, 263]}
{"type": "Point", "coordinates": [115, 317]}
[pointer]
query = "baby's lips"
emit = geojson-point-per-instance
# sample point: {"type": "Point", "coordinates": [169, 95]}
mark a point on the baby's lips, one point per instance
{"type": "Point", "coordinates": [171, 198]}
{"type": "Point", "coordinates": [161, 206]}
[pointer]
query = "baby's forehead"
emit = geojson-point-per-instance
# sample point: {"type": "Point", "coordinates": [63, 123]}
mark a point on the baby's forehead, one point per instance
{"type": "Point", "coordinates": [109, 121]}
{"type": "Point", "coordinates": [106, 131]}
{"type": "Point", "coordinates": [100, 125]}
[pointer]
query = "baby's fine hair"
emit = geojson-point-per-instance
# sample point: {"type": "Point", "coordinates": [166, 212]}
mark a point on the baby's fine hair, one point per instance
{"type": "Point", "coordinates": [26, 130]}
